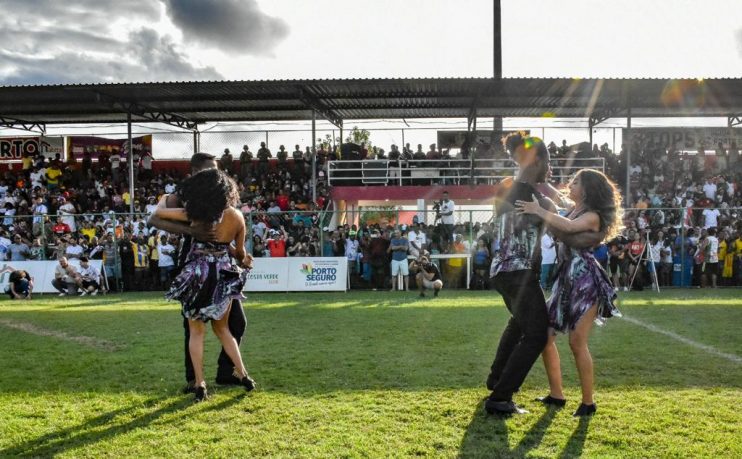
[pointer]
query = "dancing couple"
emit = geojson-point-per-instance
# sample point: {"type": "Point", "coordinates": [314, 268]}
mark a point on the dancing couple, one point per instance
{"type": "Point", "coordinates": [209, 285]}
{"type": "Point", "coordinates": [582, 291]}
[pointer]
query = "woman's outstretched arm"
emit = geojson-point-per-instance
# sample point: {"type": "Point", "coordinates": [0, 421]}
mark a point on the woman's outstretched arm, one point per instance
{"type": "Point", "coordinates": [589, 221]}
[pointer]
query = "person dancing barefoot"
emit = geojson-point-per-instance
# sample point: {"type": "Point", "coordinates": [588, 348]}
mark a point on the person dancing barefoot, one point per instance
{"type": "Point", "coordinates": [210, 281]}
{"type": "Point", "coordinates": [582, 292]}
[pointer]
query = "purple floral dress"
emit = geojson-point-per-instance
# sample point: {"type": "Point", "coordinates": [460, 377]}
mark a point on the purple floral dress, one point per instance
{"type": "Point", "coordinates": [580, 284]}
{"type": "Point", "coordinates": [208, 282]}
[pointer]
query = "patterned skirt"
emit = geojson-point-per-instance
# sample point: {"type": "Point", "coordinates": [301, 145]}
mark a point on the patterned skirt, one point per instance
{"type": "Point", "coordinates": [208, 282]}
{"type": "Point", "coordinates": [580, 283]}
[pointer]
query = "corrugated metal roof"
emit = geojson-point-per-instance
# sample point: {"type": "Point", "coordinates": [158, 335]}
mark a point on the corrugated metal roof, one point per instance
{"type": "Point", "coordinates": [273, 100]}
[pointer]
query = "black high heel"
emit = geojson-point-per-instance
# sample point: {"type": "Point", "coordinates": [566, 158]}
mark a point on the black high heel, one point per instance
{"type": "Point", "coordinates": [549, 400]}
{"type": "Point", "coordinates": [585, 410]}
{"type": "Point", "coordinates": [248, 383]}
{"type": "Point", "coordinates": [201, 394]}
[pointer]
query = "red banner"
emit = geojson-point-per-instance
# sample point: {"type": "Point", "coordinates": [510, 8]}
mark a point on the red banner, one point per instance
{"type": "Point", "coordinates": [95, 145]}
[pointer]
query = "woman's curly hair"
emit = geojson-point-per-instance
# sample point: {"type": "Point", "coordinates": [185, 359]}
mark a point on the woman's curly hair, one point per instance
{"type": "Point", "coordinates": [207, 194]}
{"type": "Point", "coordinates": [602, 197]}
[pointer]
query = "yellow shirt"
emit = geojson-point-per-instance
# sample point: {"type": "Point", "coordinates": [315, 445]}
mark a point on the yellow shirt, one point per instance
{"type": "Point", "coordinates": [141, 257]}
{"type": "Point", "coordinates": [738, 247]}
{"type": "Point", "coordinates": [89, 232]}
{"type": "Point", "coordinates": [52, 176]}
{"type": "Point", "coordinates": [722, 250]}
{"type": "Point", "coordinates": [126, 197]}
{"type": "Point", "coordinates": [152, 243]}
{"type": "Point", "coordinates": [27, 162]}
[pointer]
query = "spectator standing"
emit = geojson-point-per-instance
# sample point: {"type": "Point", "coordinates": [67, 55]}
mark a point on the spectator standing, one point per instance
{"type": "Point", "coordinates": [140, 252]}
{"type": "Point", "coordinates": [74, 249]}
{"type": "Point", "coordinates": [18, 250]}
{"type": "Point", "coordinates": [226, 161]}
{"type": "Point", "coordinates": [710, 218]}
{"type": "Point", "coordinates": [548, 260]}
{"type": "Point", "coordinates": [398, 248]}
{"type": "Point", "coordinates": [264, 154]}
{"type": "Point", "coordinates": [166, 263]}
{"type": "Point", "coordinates": [447, 217]}
{"type": "Point", "coordinates": [245, 162]}
{"type": "Point", "coordinates": [115, 160]}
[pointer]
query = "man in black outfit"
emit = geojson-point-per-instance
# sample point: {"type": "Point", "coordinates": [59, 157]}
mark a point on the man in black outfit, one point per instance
{"type": "Point", "coordinates": [515, 272]}
{"type": "Point", "coordinates": [237, 321]}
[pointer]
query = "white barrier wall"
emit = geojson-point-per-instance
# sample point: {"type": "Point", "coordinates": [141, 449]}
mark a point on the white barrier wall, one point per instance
{"type": "Point", "coordinates": [298, 274]}
{"type": "Point", "coordinates": [41, 271]}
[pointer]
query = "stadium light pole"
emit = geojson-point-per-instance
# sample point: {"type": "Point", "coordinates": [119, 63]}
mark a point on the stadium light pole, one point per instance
{"type": "Point", "coordinates": [130, 158]}
{"type": "Point", "coordinates": [628, 158]}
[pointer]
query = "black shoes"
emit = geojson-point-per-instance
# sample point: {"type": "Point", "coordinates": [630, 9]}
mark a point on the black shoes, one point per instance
{"type": "Point", "coordinates": [189, 388]}
{"type": "Point", "coordinates": [248, 383]}
{"type": "Point", "coordinates": [549, 400]}
{"type": "Point", "coordinates": [585, 410]}
{"type": "Point", "coordinates": [435, 292]}
{"type": "Point", "coordinates": [228, 380]}
{"type": "Point", "coordinates": [201, 394]}
{"type": "Point", "coordinates": [502, 407]}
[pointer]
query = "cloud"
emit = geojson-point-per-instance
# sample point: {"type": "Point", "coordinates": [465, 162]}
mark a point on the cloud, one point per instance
{"type": "Point", "coordinates": [86, 41]}
{"type": "Point", "coordinates": [234, 25]}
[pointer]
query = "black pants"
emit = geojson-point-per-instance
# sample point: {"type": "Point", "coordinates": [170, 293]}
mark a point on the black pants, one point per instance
{"type": "Point", "coordinates": [236, 323]}
{"type": "Point", "coordinates": [526, 334]}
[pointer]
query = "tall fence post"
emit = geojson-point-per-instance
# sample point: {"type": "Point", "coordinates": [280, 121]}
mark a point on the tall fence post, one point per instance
{"type": "Point", "coordinates": [471, 229]}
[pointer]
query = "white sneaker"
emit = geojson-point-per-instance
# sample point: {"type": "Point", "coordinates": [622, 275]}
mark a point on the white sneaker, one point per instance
{"type": "Point", "coordinates": [94, 293]}
{"type": "Point", "coordinates": [625, 289]}
{"type": "Point", "coordinates": [83, 293]}
{"type": "Point", "coordinates": [62, 294]}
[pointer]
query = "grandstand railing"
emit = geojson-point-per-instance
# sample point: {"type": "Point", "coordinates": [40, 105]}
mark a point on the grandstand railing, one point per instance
{"type": "Point", "coordinates": [452, 171]}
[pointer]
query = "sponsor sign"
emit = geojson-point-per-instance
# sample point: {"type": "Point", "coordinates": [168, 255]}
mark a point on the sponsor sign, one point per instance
{"type": "Point", "coordinates": [268, 275]}
{"type": "Point", "coordinates": [78, 145]}
{"type": "Point", "coordinates": [298, 274]}
{"type": "Point", "coordinates": [318, 274]}
{"type": "Point", "coordinates": [684, 138]}
{"type": "Point", "coordinates": [14, 148]}
{"type": "Point", "coordinates": [41, 271]}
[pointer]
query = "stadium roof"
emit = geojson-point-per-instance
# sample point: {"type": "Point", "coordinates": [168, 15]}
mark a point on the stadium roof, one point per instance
{"type": "Point", "coordinates": [187, 103]}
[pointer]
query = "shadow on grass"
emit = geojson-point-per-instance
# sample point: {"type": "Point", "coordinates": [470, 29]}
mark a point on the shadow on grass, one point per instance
{"type": "Point", "coordinates": [576, 441]}
{"type": "Point", "coordinates": [488, 436]}
{"type": "Point", "coordinates": [316, 349]}
{"type": "Point", "coordinates": [106, 426]}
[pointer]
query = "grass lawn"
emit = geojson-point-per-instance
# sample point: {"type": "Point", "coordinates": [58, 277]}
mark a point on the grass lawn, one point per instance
{"type": "Point", "coordinates": [363, 374]}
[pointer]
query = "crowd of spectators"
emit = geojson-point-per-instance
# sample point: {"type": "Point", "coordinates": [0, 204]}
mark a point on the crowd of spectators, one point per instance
{"type": "Point", "coordinates": [681, 203]}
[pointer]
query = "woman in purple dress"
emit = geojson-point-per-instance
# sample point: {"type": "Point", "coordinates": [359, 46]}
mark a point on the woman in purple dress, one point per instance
{"type": "Point", "coordinates": [210, 280]}
{"type": "Point", "coordinates": [582, 292]}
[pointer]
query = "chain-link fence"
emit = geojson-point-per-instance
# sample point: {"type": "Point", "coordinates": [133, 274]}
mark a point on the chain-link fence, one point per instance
{"type": "Point", "coordinates": [679, 247]}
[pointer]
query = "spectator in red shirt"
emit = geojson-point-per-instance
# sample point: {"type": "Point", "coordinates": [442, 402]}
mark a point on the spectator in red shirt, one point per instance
{"type": "Point", "coordinates": [283, 200]}
{"type": "Point", "coordinates": [61, 227]}
{"type": "Point", "coordinates": [277, 243]}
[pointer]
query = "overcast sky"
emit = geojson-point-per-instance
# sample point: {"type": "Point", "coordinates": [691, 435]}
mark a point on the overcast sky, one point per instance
{"type": "Point", "coordinates": [50, 41]}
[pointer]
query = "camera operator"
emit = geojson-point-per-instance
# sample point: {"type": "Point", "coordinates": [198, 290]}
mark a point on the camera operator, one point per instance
{"type": "Point", "coordinates": [447, 218]}
{"type": "Point", "coordinates": [428, 275]}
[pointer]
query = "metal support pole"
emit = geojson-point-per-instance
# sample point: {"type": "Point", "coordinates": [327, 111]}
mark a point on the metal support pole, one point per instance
{"type": "Point", "coordinates": [130, 158]}
{"type": "Point", "coordinates": [196, 141]}
{"type": "Point", "coordinates": [497, 58]}
{"type": "Point", "coordinates": [628, 143]}
{"type": "Point", "coordinates": [314, 156]}
{"type": "Point", "coordinates": [590, 135]}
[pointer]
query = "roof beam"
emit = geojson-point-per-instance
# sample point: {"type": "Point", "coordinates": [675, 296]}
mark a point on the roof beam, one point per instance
{"type": "Point", "coordinates": [147, 113]}
{"type": "Point", "coordinates": [734, 120]}
{"type": "Point", "coordinates": [316, 105]}
{"type": "Point", "coordinates": [599, 116]}
{"type": "Point", "coordinates": [14, 123]}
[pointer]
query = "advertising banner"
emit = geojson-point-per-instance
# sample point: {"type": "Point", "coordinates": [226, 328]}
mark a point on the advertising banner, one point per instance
{"type": "Point", "coordinates": [268, 275]}
{"type": "Point", "coordinates": [13, 148]}
{"type": "Point", "coordinates": [312, 274]}
{"type": "Point", "coordinates": [298, 274]}
{"type": "Point", "coordinates": [684, 138]}
{"type": "Point", "coordinates": [78, 145]}
{"type": "Point", "coordinates": [42, 272]}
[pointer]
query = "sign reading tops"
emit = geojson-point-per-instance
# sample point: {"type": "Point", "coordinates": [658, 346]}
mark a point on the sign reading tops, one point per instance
{"type": "Point", "coordinates": [684, 138]}
{"type": "Point", "coordinates": [14, 148]}
{"type": "Point", "coordinates": [299, 274]}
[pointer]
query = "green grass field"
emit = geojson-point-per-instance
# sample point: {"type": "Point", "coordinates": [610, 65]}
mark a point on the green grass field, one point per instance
{"type": "Point", "coordinates": [363, 374]}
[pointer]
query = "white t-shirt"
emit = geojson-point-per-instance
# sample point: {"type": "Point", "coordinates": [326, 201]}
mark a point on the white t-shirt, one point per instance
{"type": "Point", "coordinates": [40, 210]}
{"type": "Point", "coordinates": [655, 249]}
{"type": "Point", "coordinates": [351, 249]}
{"type": "Point", "coordinates": [115, 161]}
{"type": "Point", "coordinates": [667, 255]}
{"type": "Point", "coordinates": [170, 188]}
{"type": "Point", "coordinates": [74, 251]}
{"type": "Point", "coordinates": [710, 218]}
{"type": "Point", "coordinates": [709, 189]}
{"type": "Point", "coordinates": [165, 253]}
{"type": "Point", "coordinates": [90, 272]}
{"type": "Point", "coordinates": [68, 209]}
{"type": "Point", "coordinates": [150, 208]}
{"type": "Point", "coordinates": [548, 250]}
{"type": "Point", "coordinates": [36, 178]}
{"type": "Point", "coordinates": [3, 191]}
{"type": "Point", "coordinates": [445, 208]}
{"type": "Point", "coordinates": [713, 249]}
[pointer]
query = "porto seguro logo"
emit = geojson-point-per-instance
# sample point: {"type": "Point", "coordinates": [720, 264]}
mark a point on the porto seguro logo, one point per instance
{"type": "Point", "coordinates": [318, 274]}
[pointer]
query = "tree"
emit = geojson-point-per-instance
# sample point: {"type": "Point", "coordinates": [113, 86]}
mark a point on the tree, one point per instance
{"type": "Point", "coordinates": [359, 136]}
